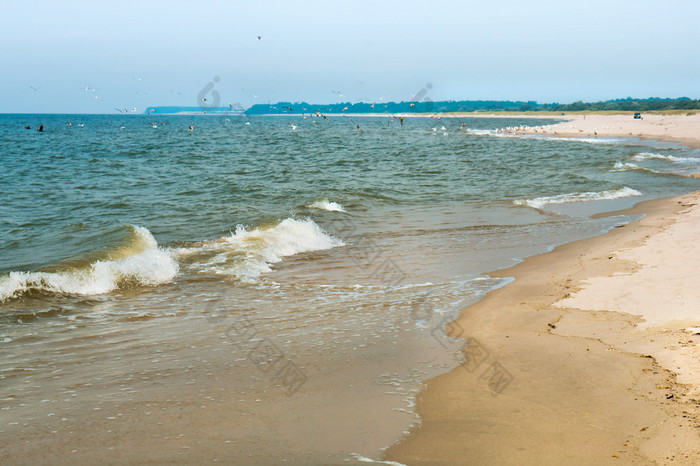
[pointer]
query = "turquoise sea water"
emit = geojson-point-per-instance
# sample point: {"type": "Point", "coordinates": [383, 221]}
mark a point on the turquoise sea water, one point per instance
{"type": "Point", "coordinates": [136, 237]}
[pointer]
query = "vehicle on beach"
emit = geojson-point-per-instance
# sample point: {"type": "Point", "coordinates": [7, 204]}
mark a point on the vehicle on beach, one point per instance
{"type": "Point", "coordinates": [637, 116]}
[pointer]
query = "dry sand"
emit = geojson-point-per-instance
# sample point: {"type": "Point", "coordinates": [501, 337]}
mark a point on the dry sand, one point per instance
{"type": "Point", "coordinates": [680, 128]}
{"type": "Point", "coordinates": [589, 357]}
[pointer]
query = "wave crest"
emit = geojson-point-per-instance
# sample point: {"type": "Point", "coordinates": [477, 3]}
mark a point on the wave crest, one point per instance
{"type": "Point", "coordinates": [539, 202]}
{"type": "Point", "coordinates": [648, 155]}
{"type": "Point", "coordinates": [143, 262]}
{"type": "Point", "coordinates": [325, 204]}
{"type": "Point", "coordinates": [248, 253]}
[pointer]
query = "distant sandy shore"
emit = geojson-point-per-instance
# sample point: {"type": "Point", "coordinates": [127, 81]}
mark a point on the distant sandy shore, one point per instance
{"type": "Point", "coordinates": [679, 128]}
{"type": "Point", "coordinates": [591, 355]}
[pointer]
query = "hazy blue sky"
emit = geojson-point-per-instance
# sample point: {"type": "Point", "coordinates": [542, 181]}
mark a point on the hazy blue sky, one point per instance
{"type": "Point", "coordinates": [90, 57]}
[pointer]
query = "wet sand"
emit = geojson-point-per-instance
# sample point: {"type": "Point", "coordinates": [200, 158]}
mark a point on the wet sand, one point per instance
{"type": "Point", "coordinates": [588, 357]}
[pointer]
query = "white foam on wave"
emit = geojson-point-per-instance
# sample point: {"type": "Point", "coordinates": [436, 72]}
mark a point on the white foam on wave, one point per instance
{"type": "Point", "coordinates": [325, 204]}
{"type": "Point", "coordinates": [364, 459]}
{"type": "Point", "coordinates": [144, 263]}
{"type": "Point", "coordinates": [648, 155]}
{"type": "Point", "coordinates": [626, 166]}
{"type": "Point", "coordinates": [513, 133]}
{"type": "Point", "coordinates": [539, 202]}
{"type": "Point", "coordinates": [248, 253]}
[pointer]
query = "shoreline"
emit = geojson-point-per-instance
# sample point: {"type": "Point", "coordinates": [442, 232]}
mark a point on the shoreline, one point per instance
{"type": "Point", "coordinates": [683, 129]}
{"type": "Point", "coordinates": [578, 395]}
{"type": "Point", "coordinates": [585, 384]}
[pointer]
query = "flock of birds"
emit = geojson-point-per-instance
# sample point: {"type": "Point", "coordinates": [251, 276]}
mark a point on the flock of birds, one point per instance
{"type": "Point", "coordinates": [293, 126]}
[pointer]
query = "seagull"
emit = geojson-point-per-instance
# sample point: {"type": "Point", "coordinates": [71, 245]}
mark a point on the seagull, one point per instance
{"type": "Point", "coordinates": [35, 88]}
{"type": "Point", "coordinates": [120, 110]}
{"type": "Point", "coordinates": [69, 123]}
{"type": "Point", "coordinates": [358, 126]}
{"type": "Point", "coordinates": [289, 108]}
{"type": "Point", "coordinates": [259, 37]}
{"type": "Point", "coordinates": [292, 126]}
{"type": "Point", "coordinates": [247, 123]}
{"type": "Point", "coordinates": [191, 128]}
{"type": "Point", "coordinates": [151, 111]}
{"type": "Point", "coordinates": [344, 108]}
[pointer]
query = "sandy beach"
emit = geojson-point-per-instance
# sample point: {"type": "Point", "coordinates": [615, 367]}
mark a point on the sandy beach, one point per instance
{"type": "Point", "coordinates": [671, 127]}
{"type": "Point", "coordinates": [590, 355]}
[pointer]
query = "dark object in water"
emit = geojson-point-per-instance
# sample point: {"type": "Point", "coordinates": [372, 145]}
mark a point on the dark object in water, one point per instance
{"type": "Point", "coordinates": [27, 127]}
{"type": "Point", "coordinates": [41, 128]}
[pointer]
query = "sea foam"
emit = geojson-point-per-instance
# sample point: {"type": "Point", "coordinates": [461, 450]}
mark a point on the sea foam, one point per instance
{"type": "Point", "coordinates": [248, 253]}
{"type": "Point", "coordinates": [539, 202]}
{"type": "Point", "coordinates": [648, 155]}
{"type": "Point", "coordinates": [143, 262]}
{"type": "Point", "coordinates": [325, 204]}
{"type": "Point", "coordinates": [626, 166]}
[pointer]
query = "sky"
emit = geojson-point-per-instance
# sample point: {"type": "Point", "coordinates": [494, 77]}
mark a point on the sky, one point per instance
{"type": "Point", "coordinates": [98, 56]}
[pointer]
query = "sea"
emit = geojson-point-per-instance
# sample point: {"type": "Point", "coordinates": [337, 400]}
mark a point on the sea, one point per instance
{"type": "Point", "coordinates": [270, 289]}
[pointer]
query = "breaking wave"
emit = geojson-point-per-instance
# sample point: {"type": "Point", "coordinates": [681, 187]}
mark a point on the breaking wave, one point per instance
{"type": "Point", "coordinates": [142, 262]}
{"type": "Point", "coordinates": [248, 253]}
{"type": "Point", "coordinates": [325, 204]}
{"type": "Point", "coordinates": [539, 202]}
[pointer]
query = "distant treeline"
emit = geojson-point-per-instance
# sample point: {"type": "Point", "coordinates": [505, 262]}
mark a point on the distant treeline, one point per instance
{"type": "Point", "coordinates": [628, 104]}
{"type": "Point", "coordinates": [393, 107]}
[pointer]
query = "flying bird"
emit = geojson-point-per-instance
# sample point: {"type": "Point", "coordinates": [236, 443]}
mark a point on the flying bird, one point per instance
{"type": "Point", "coordinates": [289, 108]}
{"type": "Point", "coordinates": [259, 37]}
{"type": "Point", "coordinates": [35, 88]}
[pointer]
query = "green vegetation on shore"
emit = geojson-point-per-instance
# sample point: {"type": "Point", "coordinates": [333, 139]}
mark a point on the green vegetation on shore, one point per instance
{"type": "Point", "coordinates": [466, 106]}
